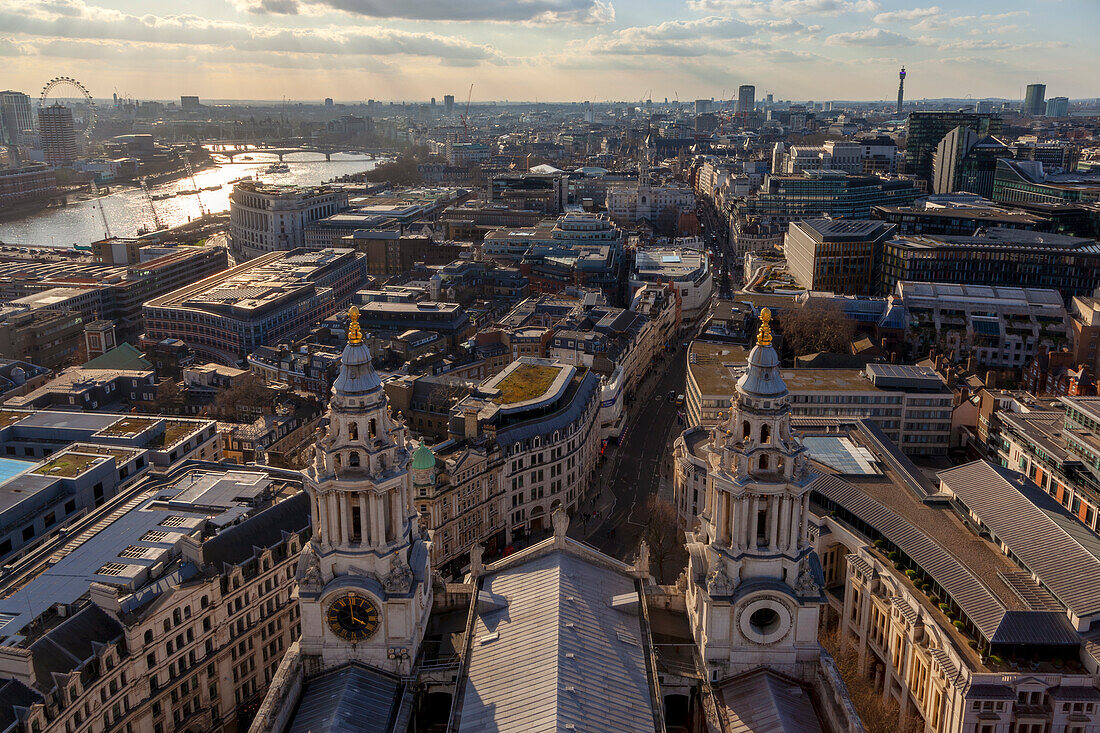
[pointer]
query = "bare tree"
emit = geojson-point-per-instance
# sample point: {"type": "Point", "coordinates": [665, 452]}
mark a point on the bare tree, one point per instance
{"type": "Point", "coordinates": [248, 396]}
{"type": "Point", "coordinates": [816, 327]}
{"type": "Point", "coordinates": [665, 538]}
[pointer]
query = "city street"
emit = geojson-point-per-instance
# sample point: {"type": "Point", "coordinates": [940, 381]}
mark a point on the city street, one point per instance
{"type": "Point", "coordinates": [641, 465]}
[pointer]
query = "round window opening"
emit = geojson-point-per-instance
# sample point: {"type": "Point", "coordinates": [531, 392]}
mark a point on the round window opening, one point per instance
{"type": "Point", "coordinates": [765, 621]}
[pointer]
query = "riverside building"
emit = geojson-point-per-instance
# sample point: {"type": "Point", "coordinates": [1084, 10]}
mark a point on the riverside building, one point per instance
{"type": "Point", "coordinates": [265, 217]}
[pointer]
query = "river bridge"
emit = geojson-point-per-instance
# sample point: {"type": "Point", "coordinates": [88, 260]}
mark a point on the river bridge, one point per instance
{"type": "Point", "coordinates": [232, 149]}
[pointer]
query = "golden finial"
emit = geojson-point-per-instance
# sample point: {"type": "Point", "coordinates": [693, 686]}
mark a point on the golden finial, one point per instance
{"type": "Point", "coordinates": [764, 335]}
{"type": "Point", "coordinates": [355, 336]}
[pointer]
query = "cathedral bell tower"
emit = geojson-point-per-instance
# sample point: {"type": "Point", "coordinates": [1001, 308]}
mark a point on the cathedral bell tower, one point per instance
{"type": "Point", "coordinates": [754, 592]}
{"type": "Point", "coordinates": [364, 577]}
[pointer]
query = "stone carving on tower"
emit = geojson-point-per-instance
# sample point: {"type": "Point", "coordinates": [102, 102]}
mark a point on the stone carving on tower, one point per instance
{"type": "Point", "coordinates": [364, 578]}
{"type": "Point", "coordinates": [754, 591]}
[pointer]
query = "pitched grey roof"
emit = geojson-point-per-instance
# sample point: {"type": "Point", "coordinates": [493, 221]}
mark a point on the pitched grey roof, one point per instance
{"type": "Point", "coordinates": [1034, 528]}
{"type": "Point", "coordinates": [976, 600]}
{"type": "Point", "coordinates": [548, 651]}
{"type": "Point", "coordinates": [352, 699]}
{"type": "Point", "coordinates": [763, 702]}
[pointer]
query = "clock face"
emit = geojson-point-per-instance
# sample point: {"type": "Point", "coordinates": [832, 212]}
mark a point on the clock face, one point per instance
{"type": "Point", "coordinates": [353, 618]}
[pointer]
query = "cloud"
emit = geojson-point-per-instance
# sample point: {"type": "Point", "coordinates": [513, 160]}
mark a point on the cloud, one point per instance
{"type": "Point", "coordinates": [772, 8]}
{"type": "Point", "coordinates": [868, 37]}
{"type": "Point", "coordinates": [73, 20]}
{"type": "Point", "coordinates": [496, 11]}
{"type": "Point", "coordinates": [711, 35]}
{"type": "Point", "coordinates": [898, 16]}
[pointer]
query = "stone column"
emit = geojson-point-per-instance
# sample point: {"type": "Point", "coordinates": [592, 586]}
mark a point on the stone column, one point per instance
{"type": "Point", "coordinates": [331, 524]}
{"type": "Point", "coordinates": [846, 610]}
{"type": "Point", "coordinates": [723, 519]}
{"type": "Point", "coordinates": [754, 518]}
{"type": "Point", "coordinates": [378, 524]}
{"type": "Point", "coordinates": [364, 521]}
{"type": "Point", "coordinates": [315, 517]}
{"type": "Point", "coordinates": [802, 519]}
{"type": "Point", "coordinates": [738, 523]}
{"type": "Point", "coordinates": [345, 518]}
{"type": "Point", "coordinates": [792, 528]}
{"type": "Point", "coordinates": [395, 510]}
{"type": "Point", "coordinates": [773, 522]}
{"type": "Point", "coordinates": [785, 522]}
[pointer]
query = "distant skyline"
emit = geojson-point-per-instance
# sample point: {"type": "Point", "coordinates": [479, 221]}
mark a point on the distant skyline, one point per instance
{"type": "Point", "coordinates": [552, 50]}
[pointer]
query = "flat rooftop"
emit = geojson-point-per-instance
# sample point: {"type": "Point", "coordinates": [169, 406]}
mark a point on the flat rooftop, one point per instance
{"type": "Point", "coordinates": [525, 382]}
{"type": "Point", "coordinates": [844, 230]}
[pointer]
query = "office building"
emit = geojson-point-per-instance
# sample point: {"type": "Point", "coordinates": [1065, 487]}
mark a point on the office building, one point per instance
{"type": "Point", "coordinates": [963, 215]}
{"type": "Point", "coordinates": [190, 103]}
{"type": "Point", "coordinates": [50, 338]}
{"type": "Point", "coordinates": [60, 465]}
{"type": "Point", "coordinates": [685, 270]}
{"type": "Point", "coordinates": [55, 126]}
{"type": "Point", "coordinates": [819, 193]}
{"type": "Point", "coordinates": [100, 290]}
{"type": "Point", "coordinates": [746, 99]}
{"type": "Point", "coordinates": [140, 618]}
{"type": "Point", "coordinates": [448, 104]}
{"type": "Point", "coordinates": [16, 117]}
{"type": "Point", "coordinates": [966, 161]}
{"type": "Point", "coordinates": [925, 130]}
{"type": "Point", "coordinates": [388, 252]}
{"type": "Point", "coordinates": [1002, 327]}
{"type": "Point", "coordinates": [1057, 107]}
{"type": "Point", "coordinates": [1020, 182]}
{"type": "Point", "coordinates": [1055, 446]}
{"type": "Point", "coordinates": [1035, 100]}
{"type": "Point", "coordinates": [911, 405]}
{"type": "Point", "coordinates": [836, 255]}
{"type": "Point", "coordinates": [266, 217]}
{"type": "Point", "coordinates": [544, 192]}
{"type": "Point", "coordinates": [1010, 257]}
{"type": "Point", "coordinates": [25, 185]}
{"type": "Point", "coordinates": [262, 302]}
{"type": "Point", "coordinates": [449, 320]}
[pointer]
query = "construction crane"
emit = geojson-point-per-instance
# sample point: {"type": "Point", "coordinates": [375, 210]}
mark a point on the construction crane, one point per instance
{"type": "Point", "coordinates": [198, 193]}
{"type": "Point", "coordinates": [158, 223]}
{"type": "Point", "coordinates": [466, 114]}
{"type": "Point", "coordinates": [103, 214]}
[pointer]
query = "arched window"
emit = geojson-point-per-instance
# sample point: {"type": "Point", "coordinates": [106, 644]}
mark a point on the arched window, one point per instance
{"type": "Point", "coordinates": [148, 636]}
{"type": "Point", "coordinates": [353, 459]}
{"type": "Point", "coordinates": [765, 434]}
{"type": "Point", "coordinates": [353, 430]}
{"type": "Point", "coordinates": [746, 430]}
{"type": "Point", "coordinates": [764, 462]}
{"type": "Point", "coordinates": [339, 462]}
{"type": "Point", "coordinates": [373, 428]}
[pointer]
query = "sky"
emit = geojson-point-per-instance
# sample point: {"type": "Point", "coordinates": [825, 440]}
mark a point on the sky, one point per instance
{"type": "Point", "coordinates": [551, 50]}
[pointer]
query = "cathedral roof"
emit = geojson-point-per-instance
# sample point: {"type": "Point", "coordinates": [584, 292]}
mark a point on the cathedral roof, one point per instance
{"type": "Point", "coordinates": [762, 378]}
{"type": "Point", "coordinates": [356, 376]}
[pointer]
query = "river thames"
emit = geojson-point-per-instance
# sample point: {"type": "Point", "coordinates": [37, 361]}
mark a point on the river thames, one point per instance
{"type": "Point", "coordinates": [127, 210]}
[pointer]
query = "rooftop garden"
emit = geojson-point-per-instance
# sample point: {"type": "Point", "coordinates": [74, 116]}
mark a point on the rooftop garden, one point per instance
{"type": "Point", "coordinates": [8, 417]}
{"type": "Point", "coordinates": [68, 465]}
{"type": "Point", "coordinates": [525, 382]}
{"type": "Point", "coordinates": [129, 426]}
{"type": "Point", "coordinates": [174, 432]}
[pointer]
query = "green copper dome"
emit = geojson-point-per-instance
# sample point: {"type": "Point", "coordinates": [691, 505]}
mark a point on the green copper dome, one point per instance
{"type": "Point", "coordinates": [423, 457]}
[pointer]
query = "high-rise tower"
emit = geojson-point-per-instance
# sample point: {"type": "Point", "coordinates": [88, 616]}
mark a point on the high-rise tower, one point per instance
{"type": "Point", "coordinates": [364, 578]}
{"type": "Point", "coordinates": [901, 90]}
{"type": "Point", "coordinates": [754, 591]}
